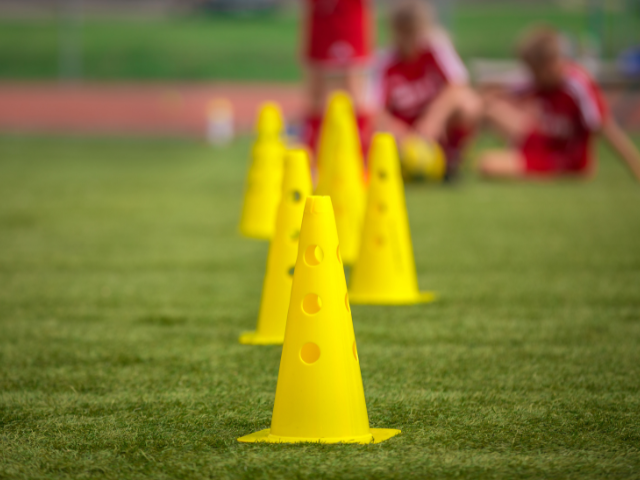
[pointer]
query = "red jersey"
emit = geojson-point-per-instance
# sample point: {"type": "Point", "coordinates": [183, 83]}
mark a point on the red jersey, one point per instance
{"type": "Point", "coordinates": [338, 32]}
{"type": "Point", "coordinates": [568, 117]}
{"type": "Point", "coordinates": [406, 88]}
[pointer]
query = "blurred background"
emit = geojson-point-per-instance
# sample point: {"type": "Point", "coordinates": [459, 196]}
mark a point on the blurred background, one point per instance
{"type": "Point", "coordinates": [190, 51]}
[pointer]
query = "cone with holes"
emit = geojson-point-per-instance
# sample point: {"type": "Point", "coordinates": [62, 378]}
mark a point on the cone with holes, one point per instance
{"type": "Point", "coordinates": [338, 116]}
{"type": "Point", "coordinates": [385, 272]}
{"type": "Point", "coordinates": [276, 292]}
{"type": "Point", "coordinates": [264, 180]}
{"type": "Point", "coordinates": [319, 397]}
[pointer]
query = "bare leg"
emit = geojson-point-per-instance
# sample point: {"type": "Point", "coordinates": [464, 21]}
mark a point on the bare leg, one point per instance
{"type": "Point", "coordinates": [504, 164]}
{"type": "Point", "coordinates": [316, 90]}
{"type": "Point", "coordinates": [355, 86]}
{"type": "Point", "coordinates": [513, 121]}
{"type": "Point", "coordinates": [321, 82]}
{"type": "Point", "coordinates": [457, 104]}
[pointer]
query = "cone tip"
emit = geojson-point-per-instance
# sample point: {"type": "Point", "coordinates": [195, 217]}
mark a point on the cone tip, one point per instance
{"type": "Point", "coordinates": [297, 173]}
{"type": "Point", "coordinates": [318, 204]}
{"type": "Point", "coordinates": [270, 118]}
{"type": "Point", "coordinates": [270, 106]}
{"type": "Point", "coordinates": [383, 138]}
{"type": "Point", "coordinates": [339, 96]}
{"type": "Point", "coordinates": [297, 155]}
{"type": "Point", "coordinates": [340, 103]}
{"type": "Point", "coordinates": [384, 151]}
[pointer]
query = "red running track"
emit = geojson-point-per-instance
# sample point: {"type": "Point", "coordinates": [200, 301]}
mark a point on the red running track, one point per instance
{"type": "Point", "coordinates": [166, 109]}
{"type": "Point", "coordinates": [133, 109]}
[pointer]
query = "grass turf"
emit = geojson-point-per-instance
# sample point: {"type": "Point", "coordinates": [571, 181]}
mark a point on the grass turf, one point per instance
{"type": "Point", "coordinates": [262, 48]}
{"type": "Point", "coordinates": [125, 286]}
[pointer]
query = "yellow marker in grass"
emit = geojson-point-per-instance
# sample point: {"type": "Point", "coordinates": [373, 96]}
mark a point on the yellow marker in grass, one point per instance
{"type": "Point", "coordinates": [319, 397]}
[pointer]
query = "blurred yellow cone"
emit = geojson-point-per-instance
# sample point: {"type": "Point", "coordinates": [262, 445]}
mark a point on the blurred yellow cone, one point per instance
{"type": "Point", "coordinates": [340, 172]}
{"type": "Point", "coordinates": [276, 292]}
{"type": "Point", "coordinates": [319, 397]}
{"type": "Point", "coordinates": [385, 272]}
{"type": "Point", "coordinates": [339, 108]}
{"type": "Point", "coordinates": [264, 180]}
{"type": "Point", "coordinates": [348, 194]}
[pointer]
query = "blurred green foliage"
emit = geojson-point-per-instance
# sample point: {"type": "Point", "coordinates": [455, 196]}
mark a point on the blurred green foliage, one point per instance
{"type": "Point", "coordinates": [250, 48]}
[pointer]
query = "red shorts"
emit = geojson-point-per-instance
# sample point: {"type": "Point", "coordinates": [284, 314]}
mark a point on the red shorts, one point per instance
{"type": "Point", "coordinates": [338, 33]}
{"type": "Point", "coordinates": [544, 156]}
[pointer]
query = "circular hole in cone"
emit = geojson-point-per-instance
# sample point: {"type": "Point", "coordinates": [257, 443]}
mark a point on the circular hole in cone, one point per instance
{"type": "Point", "coordinates": [313, 255]}
{"type": "Point", "coordinates": [311, 304]}
{"type": "Point", "coordinates": [355, 351]}
{"type": "Point", "coordinates": [346, 302]}
{"type": "Point", "coordinates": [310, 353]}
{"type": "Point", "coordinates": [296, 196]}
{"type": "Point", "coordinates": [338, 254]}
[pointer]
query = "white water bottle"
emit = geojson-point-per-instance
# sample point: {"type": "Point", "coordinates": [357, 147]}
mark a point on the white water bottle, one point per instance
{"type": "Point", "coordinates": [220, 122]}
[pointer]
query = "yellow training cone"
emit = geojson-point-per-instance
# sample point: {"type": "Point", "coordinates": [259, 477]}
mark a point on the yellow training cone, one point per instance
{"type": "Point", "coordinates": [339, 108]}
{"type": "Point", "coordinates": [264, 180]}
{"type": "Point", "coordinates": [340, 172]}
{"type": "Point", "coordinates": [385, 272]}
{"type": "Point", "coordinates": [319, 397]}
{"type": "Point", "coordinates": [270, 121]}
{"type": "Point", "coordinates": [347, 192]}
{"type": "Point", "coordinates": [283, 251]}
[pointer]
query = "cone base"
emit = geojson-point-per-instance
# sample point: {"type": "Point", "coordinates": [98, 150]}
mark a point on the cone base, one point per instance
{"type": "Point", "coordinates": [254, 338]}
{"type": "Point", "coordinates": [419, 297]}
{"type": "Point", "coordinates": [378, 435]}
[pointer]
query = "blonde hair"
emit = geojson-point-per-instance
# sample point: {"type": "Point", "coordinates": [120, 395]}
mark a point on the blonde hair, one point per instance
{"type": "Point", "coordinates": [539, 45]}
{"type": "Point", "coordinates": [412, 16]}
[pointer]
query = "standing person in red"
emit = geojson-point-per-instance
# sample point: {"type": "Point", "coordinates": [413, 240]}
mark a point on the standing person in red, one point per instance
{"type": "Point", "coordinates": [422, 84]}
{"type": "Point", "coordinates": [552, 119]}
{"type": "Point", "coordinates": [338, 37]}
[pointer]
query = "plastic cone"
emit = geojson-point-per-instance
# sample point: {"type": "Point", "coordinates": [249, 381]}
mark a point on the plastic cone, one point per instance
{"type": "Point", "coordinates": [347, 193]}
{"type": "Point", "coordinates": [270, 120]}
{"type": "Point", "coordinates": [339, 108]}
{"type": "Point", "coordinates": [385, 272]}
{"type": "Point", "coordinates": [340, 172]}
{"type": "Point", "coordinates": [319, 397]}
{"type": "Point", "coordinates": [283, 251]}
{"type": "Point", "coordinates": [264, 180]}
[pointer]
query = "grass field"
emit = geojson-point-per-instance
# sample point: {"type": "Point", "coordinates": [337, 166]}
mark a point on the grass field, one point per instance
{"type": "Point", "coordinates": [263, 48]}
{"type": "Point", "coordinates": [125, 286]}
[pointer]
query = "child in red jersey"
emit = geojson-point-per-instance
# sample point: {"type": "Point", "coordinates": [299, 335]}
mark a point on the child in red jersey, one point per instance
{"type": "Point", "coordinates": [551, 120]}
{"type": "Point", "coordinates": [337, 48]}
{"type": "Point", "coordinates": [422, 85]}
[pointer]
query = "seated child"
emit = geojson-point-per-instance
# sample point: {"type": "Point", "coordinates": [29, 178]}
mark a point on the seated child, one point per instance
{"type": "Point", "coordinates": [337, 48]}
{"type": "Point", "coordinates": [552, 119]}
{"type": "Point", "coordinates": [422, 85]}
